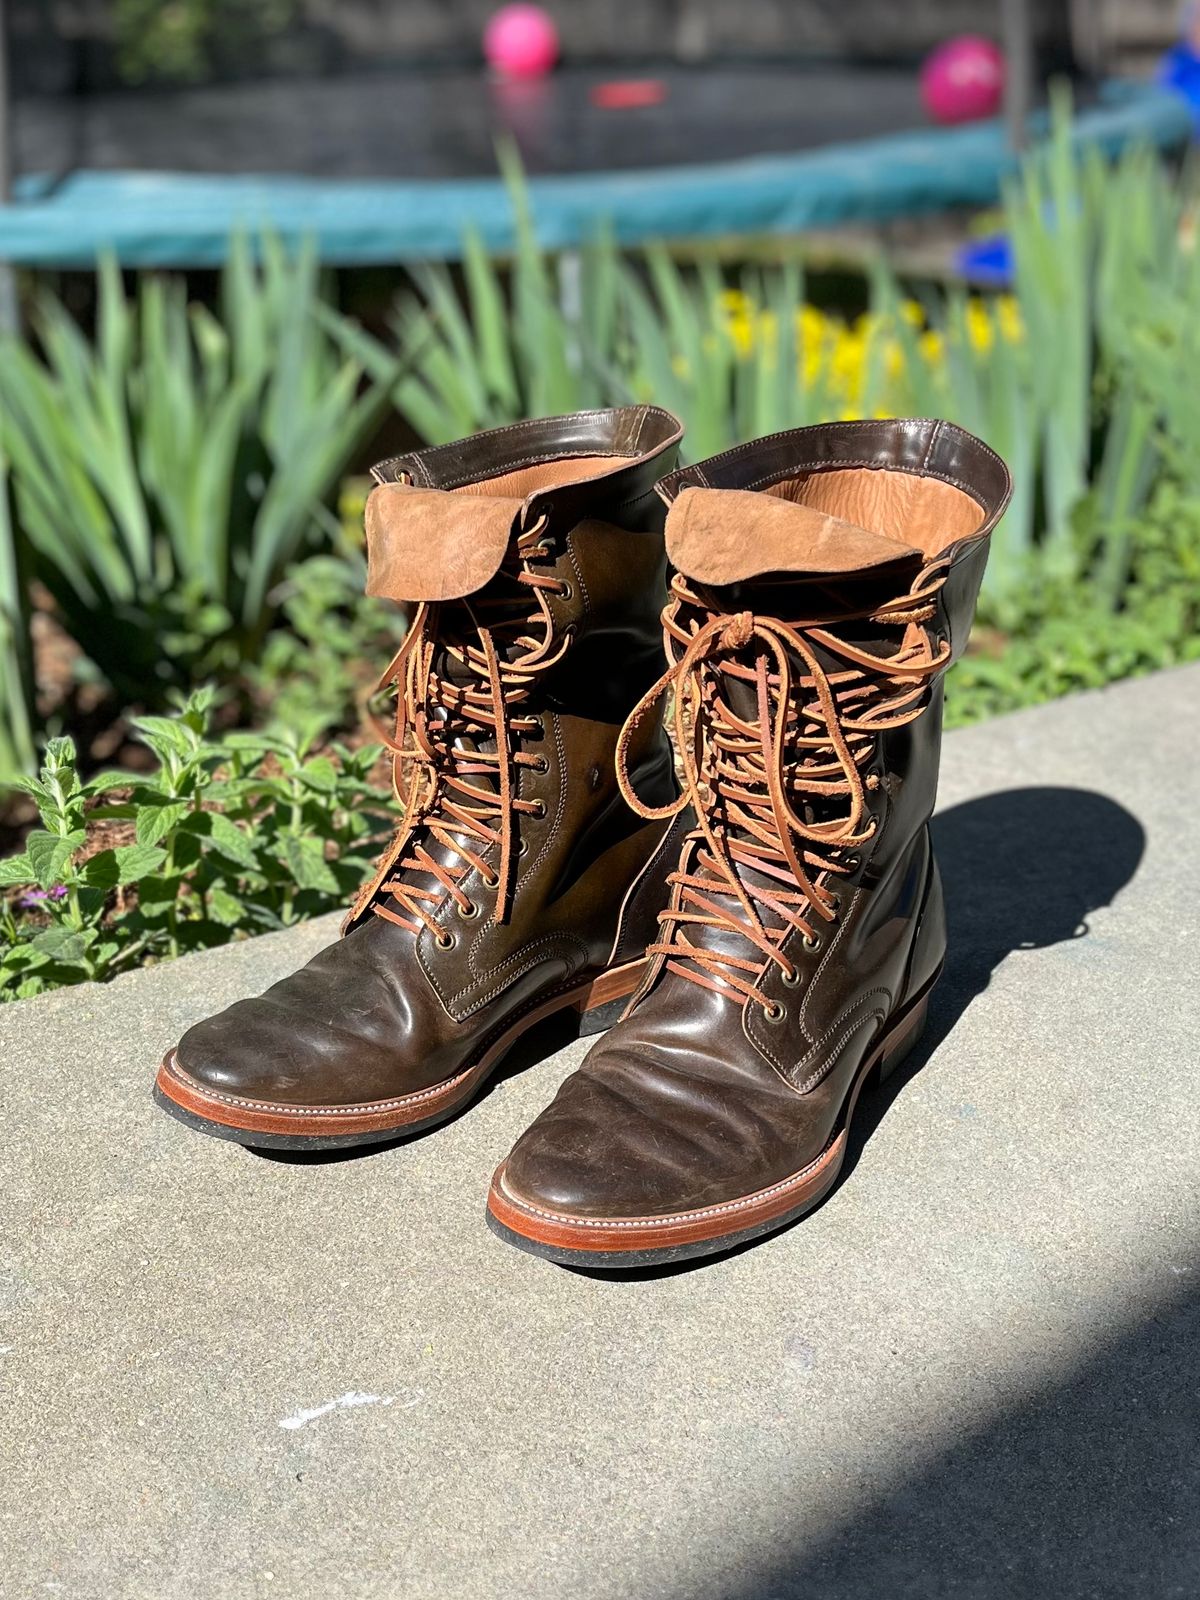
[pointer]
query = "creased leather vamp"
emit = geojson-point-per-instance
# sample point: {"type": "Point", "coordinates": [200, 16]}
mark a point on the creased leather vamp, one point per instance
{"type": "Point", "coordinates": [433, 544]}
{"type": "Point", "coordinates": [723, 536]}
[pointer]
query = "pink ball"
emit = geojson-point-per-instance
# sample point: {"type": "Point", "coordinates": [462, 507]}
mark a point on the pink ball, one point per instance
{"type": "Point", "coordinates": [963, 80]}
{"type": "Point", "coordinates": [521, 41]}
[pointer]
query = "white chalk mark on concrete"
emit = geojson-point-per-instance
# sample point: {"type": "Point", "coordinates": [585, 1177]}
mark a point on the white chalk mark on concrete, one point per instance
{"type": "Point", "coordinates": [347, 1402]}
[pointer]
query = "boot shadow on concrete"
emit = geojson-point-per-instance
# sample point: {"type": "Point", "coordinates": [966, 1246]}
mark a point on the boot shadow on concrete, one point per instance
{"type": "Point", "coordinates": [1023, 870]}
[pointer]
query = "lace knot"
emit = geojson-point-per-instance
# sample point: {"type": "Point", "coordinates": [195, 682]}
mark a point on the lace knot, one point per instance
{"type": "Point", "coordinates": [738, 631]}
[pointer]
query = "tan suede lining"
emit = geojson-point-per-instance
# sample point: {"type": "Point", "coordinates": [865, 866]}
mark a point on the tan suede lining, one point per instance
{"type": "Point", "coordinates": [442, 544]}
{"type": "Point", "coordinates": [925, 512]}
{"type": "Point", "coordinates": [726, 535]}
{"type": "Point", "coordinates": [434, 544]}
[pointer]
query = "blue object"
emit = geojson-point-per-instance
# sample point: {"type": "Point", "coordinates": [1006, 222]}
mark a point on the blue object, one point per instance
{"type": "Point", "coordinates": [987, 262]}
{"type": "Point", "coordinates": [179, 220]}
{"type": "Point", "coordinates": [1180, 71]}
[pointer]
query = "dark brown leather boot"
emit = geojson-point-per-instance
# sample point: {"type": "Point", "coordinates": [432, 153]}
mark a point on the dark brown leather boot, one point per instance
{"type": "Point", "coordinates": [825, 579]}
{"type": "Point", "coordinates": [520, 882]}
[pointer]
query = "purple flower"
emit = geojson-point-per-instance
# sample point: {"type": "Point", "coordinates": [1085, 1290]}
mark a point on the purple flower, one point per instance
{"type": "Point", "coordinates": [33, 898]}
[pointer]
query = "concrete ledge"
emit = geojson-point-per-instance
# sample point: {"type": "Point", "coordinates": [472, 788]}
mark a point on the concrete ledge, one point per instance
{"type": "Point", "coordinates": [972, 1372]}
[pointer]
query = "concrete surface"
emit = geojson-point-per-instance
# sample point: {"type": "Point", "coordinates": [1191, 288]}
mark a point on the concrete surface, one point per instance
{"type": "Point", "coordinates": [971, 1373]}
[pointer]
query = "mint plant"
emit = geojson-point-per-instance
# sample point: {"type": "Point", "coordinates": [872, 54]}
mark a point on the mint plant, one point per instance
{"type": "Point", "coordinates": [239, 834]}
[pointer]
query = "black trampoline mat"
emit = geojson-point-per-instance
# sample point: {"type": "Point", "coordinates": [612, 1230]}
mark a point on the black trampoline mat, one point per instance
{"type": "Point", "coordinates": [443, 124]}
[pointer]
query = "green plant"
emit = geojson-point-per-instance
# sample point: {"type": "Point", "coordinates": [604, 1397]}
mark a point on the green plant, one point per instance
{"type": "Point", "coordinates": [166, 476]}
{"type": "Point", "coordinates": [1089, 403]}
{"type": "Point", "coordinates": [177, 40]}
{"type": "Point", "coordinates": [1055, 634]}
{"type": "Point", "coordinates": [242, 834]}
{"type": "Point", "coordinates": [316, 672]}
{"type": "Point", "coordinates": [16, 668]}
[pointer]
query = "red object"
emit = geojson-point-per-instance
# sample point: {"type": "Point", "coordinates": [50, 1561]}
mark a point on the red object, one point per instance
{"type": "Point", "coordinates": [521, 41]}
{"type": "Point", "coordinates": [625, 94]}
{"type": "Point", "coordinates": [963, 80]}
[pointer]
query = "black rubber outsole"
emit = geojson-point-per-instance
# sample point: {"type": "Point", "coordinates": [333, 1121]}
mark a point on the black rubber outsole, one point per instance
{"type": "Point", "coordinates": [635, 1260]}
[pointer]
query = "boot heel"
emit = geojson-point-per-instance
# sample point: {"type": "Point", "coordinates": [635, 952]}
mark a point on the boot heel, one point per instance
{"type": "Point", "coordinates": [602, 1004]}
{"type": "Point", "coordinates": [904, 1042]}
{"type": "Point", "coordinates": [600, 1018]}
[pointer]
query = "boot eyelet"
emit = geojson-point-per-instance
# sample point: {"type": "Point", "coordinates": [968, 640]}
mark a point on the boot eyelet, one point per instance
{"type": "Point", "coordinates": [444, 941]}
{"type": "Point", "coordinates": [794, 982]}
{"type": "Point", "coordinates": [539, 809]}
{"type": "Point", "coordinates": [523, 848]}
{"type": "Point", "coordinates": [853, 863]}
{"type": "Point", "coordinates": [811, 942]}
{"type": "Point", "coordinates": [835, 902]}
{"type": "Point", "coordinates": [542, 764]}
{"type": "Point", "coordinates": [567, 592]}
{"type": "Point", "coordinates": [469, 912]}
{"type": "Point", "coordinates": [774, 1013]}
{"type": "Point", "coordinates": [490, 880]}
{"type": "Point", "coordinates": [538, 731]}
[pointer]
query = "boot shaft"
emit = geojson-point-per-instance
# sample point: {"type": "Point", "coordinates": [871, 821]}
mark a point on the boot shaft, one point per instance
{"type": "Point", "coordinates": [824, 581]}
{"type": "Point", "coordinates": [442, 521]}
{"type": "Point", "coordinates": [533, 565]}
{"type": "Point", "coordinates": [870, 535]}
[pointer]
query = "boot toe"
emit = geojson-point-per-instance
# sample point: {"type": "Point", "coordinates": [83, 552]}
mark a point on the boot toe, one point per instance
{"type": "Point", "coordinates": [254, 1053]}
{"type": "Point", "coordinates": [608, 1147]}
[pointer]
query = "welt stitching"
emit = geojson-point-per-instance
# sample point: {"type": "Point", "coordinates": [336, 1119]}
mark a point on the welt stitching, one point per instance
{"type": "Point", "coordinates": [510, 977]}
{"type": "Point", "coordinates": [842, 1030]}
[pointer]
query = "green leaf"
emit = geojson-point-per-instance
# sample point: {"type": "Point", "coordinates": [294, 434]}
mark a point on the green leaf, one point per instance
{"type": "Point", "coordinates": [153, 822]}
{"type": "Point", "coordinates": [305, 860]}
{"type": "Point", "coordinates": [232, 842]}
{"type": "Point", "coordinates": [15, 870]}
{"type": "Point", "coordinates": [225, 908]}
{"type": "Point", "coordinates": [136, 861]}
{"type": "Point", "coordinates": [104, 781]}
{"type": "Point", "coordinates": [49, 853]}
{"type": "Point", "coordinates": [319, 774]}
{"type": "Point", "coordinates": [101, 871]}
{"type": "Point", "coordinates": [67, 946]}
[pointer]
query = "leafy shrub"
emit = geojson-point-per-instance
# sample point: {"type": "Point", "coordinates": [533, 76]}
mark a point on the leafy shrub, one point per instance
{"type": "Point", "coordinates": [167, 475]}
{"type": "Point", "coordinates": [239, 835]}
{"type": "Point", "coordinates": [1083, 379]}
{"type": "Point", "coordinates": [315, 672]}
{"type": "Point", "coordinates": [1056, 634]}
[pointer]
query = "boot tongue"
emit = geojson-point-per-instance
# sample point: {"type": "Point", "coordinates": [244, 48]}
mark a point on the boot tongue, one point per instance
{"type": "Point", "coordinates": [434, 544]}
{"type": "Point", "coordinates": [725, 536]}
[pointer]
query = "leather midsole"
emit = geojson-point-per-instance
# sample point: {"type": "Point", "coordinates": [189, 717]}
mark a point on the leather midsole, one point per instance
{"type": "Point", "coordinates": [262, 1116]}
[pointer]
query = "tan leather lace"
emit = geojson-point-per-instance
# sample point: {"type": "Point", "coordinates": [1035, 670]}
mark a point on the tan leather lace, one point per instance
{"type": "Point", "coordinates": [492, 652]}
{"type": "Point", "coordinates": [749, 779]}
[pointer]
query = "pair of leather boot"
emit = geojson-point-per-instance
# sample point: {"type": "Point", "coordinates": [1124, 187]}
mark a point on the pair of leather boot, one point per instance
{"type": "Point", "coordinates": [750, 905]}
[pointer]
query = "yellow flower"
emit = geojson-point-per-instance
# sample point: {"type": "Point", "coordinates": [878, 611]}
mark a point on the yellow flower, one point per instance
{"type": "Point", "coordinates": [980, 332]}
{"type": "Point", "coordinates": [1009, 319]}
